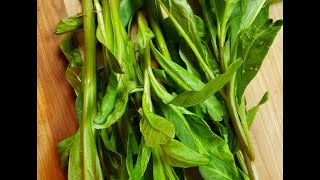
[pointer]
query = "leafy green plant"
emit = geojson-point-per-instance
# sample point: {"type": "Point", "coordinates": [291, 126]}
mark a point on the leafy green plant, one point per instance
{"type": "Point", "coordinates": [184, 117]}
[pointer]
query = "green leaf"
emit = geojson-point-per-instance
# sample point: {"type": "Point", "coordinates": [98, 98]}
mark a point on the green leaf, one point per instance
{"type": "Point", "coordinates": [190, 60]}
{"type": "Point", "coordinates": [73, 72]}
{"type": "Point", "coordinates": [144, 34]}
{"type": "Point", "coordinates": [181, 76]}
{"type": "Point", "coordinates": [142, 161]}
{"type": "Point", "coordinates": [182, 128]}
{"type": "Point", "coordinates": [127, 9]}
{"type": "Point", "coordinates": [64, 148]}
{"type": "Point", "coordinates": [183, 18]}
{"type": "Point", "coordinates": [170, 32]}
{"type": "Point", "coordinates": [253, 46]}
{"type": "Point", "coordinates": [70, 24]}
{"type": "Point", "coordinates": [203, 31]}
{"type": "Point", "coordinates": [250, 10]}
{"type": "Point", "coordinates": [108, 101]}
{"type": "Point", "coordinates": [210, 171]}
{"type": "Point", "coordinates": [101, 34]}
{"type": "Point", "coordinates": [186, 81]}
{"type": "Point", "coordinates": [102, 153]}
{"type": "Point", "coordinates": [195, 133]}
{"type": "Point", "coordinates": [213, 147]}
{"type": "Point", "coordinates": [106, 142]}
{"type": "Point", "coordinates": [213, 14]}
{"type": "Point", "coordinates": [161, 74]}
{"type": "Point", "coordinates": [75, 167]}
{"type": "Point", "coordinates": [73, 77]}
{"type": "Point", "coordinates": [213, 11]}
{"type": "Point", "coordinates": [75, 162]}
{"type": "Point", "coordinates": [69, 49]}
{"type": "Point", "coordinates": [121, 101]}
{"type": "Point", "coordinates": [252, 112]}
{"type": "Point", "coordinates": [262, 16]}
{"type": "Point", "coordinates": [78, 106]}
{"type": "Point", "coordinates": [129, 157]}
{"type": "Point", "coordinates": [133, 66]}
{"type": "Point", "coordinates": [178, 155]}
{"type": "Point", "coordinates": [154, 128]}
{"type": "Point", "coordinates": [160, 169]}
{"type": "Point", "coordinates": [191, 98]}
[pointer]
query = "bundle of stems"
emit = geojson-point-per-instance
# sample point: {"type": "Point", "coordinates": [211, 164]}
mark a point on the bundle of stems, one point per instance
{"type": "Point", "coordinates": [166, 102]}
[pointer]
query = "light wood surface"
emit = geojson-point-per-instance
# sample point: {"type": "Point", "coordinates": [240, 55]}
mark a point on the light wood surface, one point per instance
{"type": "Point", "coordinates": [55, 101]}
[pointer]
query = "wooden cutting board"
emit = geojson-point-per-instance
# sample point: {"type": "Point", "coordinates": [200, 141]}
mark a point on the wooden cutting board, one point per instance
{"type": "Point", "coordinates": [55, 101]}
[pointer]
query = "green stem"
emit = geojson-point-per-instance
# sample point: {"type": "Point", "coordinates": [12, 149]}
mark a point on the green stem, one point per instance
{"type": "Point", "coordinates": [146, 57]}
{"type": "Point", "coordinates": [241, 161]}
{"type": "Point", "coordinates": [192, 46]}
{"type": "Point", "coordinates": [222, 38]}
{"type": "Point", "coordinates": [152, 8]}
{"type": "Point", "coordinates": [235, 117]}
{"type": "Point", "coordinates": [106, 59]}
{"type": "Point", "coordinates": [101, 156]}
{"type": "Point", "coordinates": [245, 143]}
{"type": "Point", "coordinates": [241, 127]}
{"type": "Point", "coordinates": [250, 167]}
{"type": "Point", "coordinates": [89, 109]}
{"type": "Point", "coordinates": [107, 23]}
{"type": "Point", "coordinates": [117, 31]}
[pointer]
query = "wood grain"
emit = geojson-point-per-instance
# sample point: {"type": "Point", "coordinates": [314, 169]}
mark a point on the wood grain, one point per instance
{"type": "Point", "coordinates": [55, 98]}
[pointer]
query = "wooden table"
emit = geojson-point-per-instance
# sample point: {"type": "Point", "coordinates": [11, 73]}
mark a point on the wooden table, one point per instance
{"type": "Point", "coordinates": [55, 101]}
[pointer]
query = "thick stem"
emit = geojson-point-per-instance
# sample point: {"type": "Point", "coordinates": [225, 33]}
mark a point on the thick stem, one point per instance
{"type": "Point", "coordinates": [232, 108]}
{"type": "Point", "coordinates": [146, 57]}
{"type": "Point", "coordinates": [89, 109]}
{"type": "Point", "coordinates": [245, 143]}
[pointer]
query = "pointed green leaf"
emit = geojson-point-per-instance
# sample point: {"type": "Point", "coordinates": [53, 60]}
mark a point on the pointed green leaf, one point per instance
{"type": "Point", "coordinates": [183, 18]}
{"type": "Point", "coordinates": [108, 145]}
{"type": "Point", "coordinates": [127, 9]}
{"type": "Point", "coordinates": [144, 35]}
{"type": "Point", "coordinates": [75, 156]}
{"type": "Point", "coordinates": [78, 106]}
{"type": "Point", "coordinates": [178, 155]}
{"type": "Point", "coordinates": [73, 77]}
{"type": "Point", "coordinates": [121, 101]}
{"type": "Point", "coordinates": [108, 101]}
{"type": "Point", "coordinates": [142, 161]}
{"type": "Point", "coordinates": [186, 81]}
{"type": "Point", "coordinates": [250, 10]}
{"type": "Point", "coordinates": [154, 128]}
{"type": "Point", "coordinates": [195, 133]}
{"type": "Point", "coordinates": [102, 37]}
{"type": "Point", "coordinates": [160, 169]}
{"type": "Point", "coordinates": [191, 98]}
{"type": "Point", "coordinates": [64, 148]}
{"type": "Point", "coordinates": [252, 112]}
{"type": "Point", "coordinates": [70, 51]}
{"type": "Point", "coordinates": [70, 24]}
{"type": "Point", "coordinates": [161, 74]}
{"type": "Point", "coordinates": [253, 46]}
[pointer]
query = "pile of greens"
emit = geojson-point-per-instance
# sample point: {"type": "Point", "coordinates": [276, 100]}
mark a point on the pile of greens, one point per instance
{"type": "Point", "coordinates": [166, 102]}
